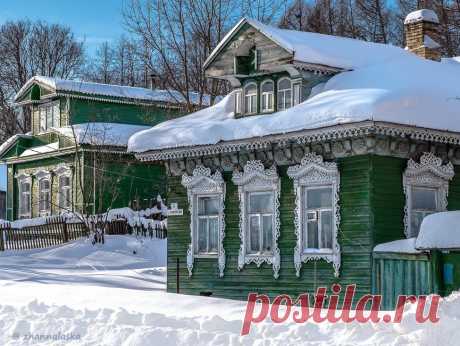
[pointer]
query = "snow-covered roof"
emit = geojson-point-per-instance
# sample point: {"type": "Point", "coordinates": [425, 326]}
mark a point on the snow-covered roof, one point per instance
{"type": "Point", "coordinates": [313, 48]}
{"type": "Point", "coordinates": [440, 231]}
{"type": "Point", "coordinates": [404, 89]}
{"type": "Point", "coordinates": [406, 246]}
{"type": "Point", "coordinates": [43, 149]}
{"type": "Point", "coordinates": [110, 134]}
{"type": "Point", "coordinates": [5, 146]}
{"type": "Point", "coordinates": [421, 15]}
{"type": "Point", "coordinates": [127, 92]}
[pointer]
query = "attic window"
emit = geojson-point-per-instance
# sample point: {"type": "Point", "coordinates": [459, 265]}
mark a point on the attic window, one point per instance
{"type": "Point", "coordinates": [49, 115]}
{"type": "Point", "coordinates": [284, 94]}
{"type": "Point", "coordinates": [250, 98]}
{"type": "Point", "coordinates": [267, 96]}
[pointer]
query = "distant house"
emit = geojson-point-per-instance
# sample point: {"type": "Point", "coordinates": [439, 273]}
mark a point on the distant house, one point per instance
{"type": "Point", "coordinates": [75, 158]}
{"type": "Point", "coordinates": [326, 148]}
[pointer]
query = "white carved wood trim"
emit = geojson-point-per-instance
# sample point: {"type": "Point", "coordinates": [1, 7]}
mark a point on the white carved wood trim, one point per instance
{"type": "Point", "coordinates": [313, 171]}
{"type": "Point", "coordinates": [256, 178]}
{"type": "Point", "coordinates": [430, 173]}
{"type": "Point", "coordinates": [24, 178]}
{"type": "Point", "coordinates": [338, 132]}
{"type": "Point", "coordinates": [202, 182]}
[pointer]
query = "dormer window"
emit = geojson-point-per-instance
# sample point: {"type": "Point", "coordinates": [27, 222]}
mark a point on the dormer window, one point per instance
{"type": "Point", "coordinates": [284, 94]}
{"type": "Point", "coordinates": [49, 115]}
{"type": "Point", "coordinates": [267, 90]}
{"type": "Point", "coordinates": [250, 98]}
{"type": "Point", "coordinates": [238, 107]}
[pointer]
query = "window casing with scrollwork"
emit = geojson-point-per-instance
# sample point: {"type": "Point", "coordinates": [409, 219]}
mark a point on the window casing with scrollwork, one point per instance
{"type": "Point", "coordinates": [206, 198]}
{"type": "Point", "coordinates": [258, 190]}
{"type": "Point", "coordinates": [317, 214]}
{"type": "Point", "coordinates": [426, 187]}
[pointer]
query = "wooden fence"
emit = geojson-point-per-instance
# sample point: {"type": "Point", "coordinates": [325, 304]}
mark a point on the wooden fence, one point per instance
{"type": "Point", "coordinates": [56, 230]}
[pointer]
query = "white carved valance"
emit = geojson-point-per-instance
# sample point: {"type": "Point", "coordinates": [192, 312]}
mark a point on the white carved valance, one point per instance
{"type": "Point", "coordinates": [429, 173]}
{"type": "Point", "coordinates": [42, 174]}
{"type": "Point", "coordinates": [314, 172]}
{"type": "Point", "coordinates": [200, 183]}
{"type": "Point", "coordinates": [255, 178]}
{"type": "Point", "coordinates": [63, 170]}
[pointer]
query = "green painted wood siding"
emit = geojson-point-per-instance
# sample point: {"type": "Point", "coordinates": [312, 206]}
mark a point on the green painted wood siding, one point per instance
{"type": "Point", "coordinates": [387, 198]}
{"type": "Point", "coordinates": [83, 111]}
{"type": "Point", "coordinates": [355, 237]}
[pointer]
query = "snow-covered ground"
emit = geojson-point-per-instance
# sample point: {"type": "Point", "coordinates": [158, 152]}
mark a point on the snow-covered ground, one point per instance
{"type": "Point", "coordinates": [108, 295]}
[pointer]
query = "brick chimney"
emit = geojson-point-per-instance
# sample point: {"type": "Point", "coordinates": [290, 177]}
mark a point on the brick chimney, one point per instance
{"type": "Point", "coordinates": [421, 29]}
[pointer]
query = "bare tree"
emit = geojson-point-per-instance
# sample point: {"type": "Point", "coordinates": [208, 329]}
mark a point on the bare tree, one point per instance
{"type": "Point", "coordinates": [28, 49]}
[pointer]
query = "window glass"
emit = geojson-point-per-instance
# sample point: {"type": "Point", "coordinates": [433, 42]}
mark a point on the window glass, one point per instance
{"type": "Point", "coordinates": [318, 218]}
{"type": "Point", "coordinates": [238, 102]}
{"type": "Point", "coordinates": [250, 98]}
{"type": "Point", "coordinates": [260, 222]}
{"type": "Point", "coordinates": [207, 236]}
{"type": "Point", "coordinates": [65, 192]}
{"type": "Point", "coordinates": [208, 206]}
{"type": "Point", "coordinates": [319, 198]}
{"type": "Point", "coordinates": [284, 94]}
{"type": "Point", "coordinates": [261, 203]}
{"type": "Point", "coordinates": [202, 235]}
{"type": "Point", "coordinates": [254, 233]}
{"type": "Point", "coordinates": [267, 96]}
{"type": "Point", "coordinates": [296, 94]}
{"type": "Point", "coordinates": [424, 199]}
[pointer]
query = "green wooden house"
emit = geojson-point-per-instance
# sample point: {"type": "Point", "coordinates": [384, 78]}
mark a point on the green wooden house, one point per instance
{"type": "Point", "coordinates": [75, 158]}
{"type": "Point", "coordinates": [326, 148]}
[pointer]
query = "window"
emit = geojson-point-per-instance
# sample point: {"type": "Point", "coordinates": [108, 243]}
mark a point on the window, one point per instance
{"type": "Point", "coordinates": [426, 186]}
{"type": "Point", "coordinates": [317, 218]}
{"type": "Point", "coordinates": [238, 102]}
{"type": "Point", "coordinates": [65, 193]}
{"type": "Point", "coordinates": [24, 201]}
{"type": "Point", "coordinates": [297, 97]}
{"type": "Point", "coordinates": [267, 96]}
{"type": "Point", "coordinates": [284, 94]}
{"type": "Point", "coordinates": [260, 228]}
{"type": "Point", "coordinates": [250, 98]}
{"type": "Point", "coordinates": [259, 190]}
{"type": "Point", "coordinates": [207, 225]}
{"type": "Point", "coordinates": [206, 195]}
{"type": "Point", "coordinates": [44, 190]}
{"type": "Point", "coordinates": [423, 203]}
{"type": "Point", "coordinates": [49, 115]}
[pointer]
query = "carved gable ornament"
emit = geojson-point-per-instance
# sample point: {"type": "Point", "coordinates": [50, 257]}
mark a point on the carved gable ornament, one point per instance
{"type": "Point", "coordinates": [256, 178]}
{"type": "Point", "coordinates": [202, 182]}
{"type": "Point", "coordinates": [311, 172]}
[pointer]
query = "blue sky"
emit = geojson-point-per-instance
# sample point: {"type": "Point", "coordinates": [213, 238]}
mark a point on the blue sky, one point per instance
{"type": "Point", "coordinates": [95, 21]}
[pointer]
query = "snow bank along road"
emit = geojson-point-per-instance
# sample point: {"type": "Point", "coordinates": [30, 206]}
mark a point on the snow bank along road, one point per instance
{"type": "Point", "coordinates": [77, 294]}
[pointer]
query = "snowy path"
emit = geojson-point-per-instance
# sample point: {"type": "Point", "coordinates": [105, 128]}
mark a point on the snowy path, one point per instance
{"type": "Point", "coordinates": [109, 296]}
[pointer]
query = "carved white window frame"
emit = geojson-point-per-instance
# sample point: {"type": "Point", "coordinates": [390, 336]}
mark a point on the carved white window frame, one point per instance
{"type": "Point", "coordinates": [203, 183]}
{"type": "Point", "coordinates": [24, 178]}
{"type": "Point", "coordinates": [255, 178]}
{"type": "Point", "coordinates": [64, 171]}
{"type": "Point", "coordinates": [314, 172]}
{"type": "Point", "coordinates": [429, 173]}
{"type": "Point", "coordinates": [42, 175]}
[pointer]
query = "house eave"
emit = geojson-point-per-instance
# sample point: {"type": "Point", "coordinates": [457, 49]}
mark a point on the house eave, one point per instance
{"type": "Point", "coordinates": [325, 134]}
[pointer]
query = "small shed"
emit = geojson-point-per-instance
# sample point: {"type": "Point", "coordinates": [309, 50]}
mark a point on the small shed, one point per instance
{"type": "Point", "coordinates": [400, 269]}
{"type": "Point", "coordinates": [440, 233]}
